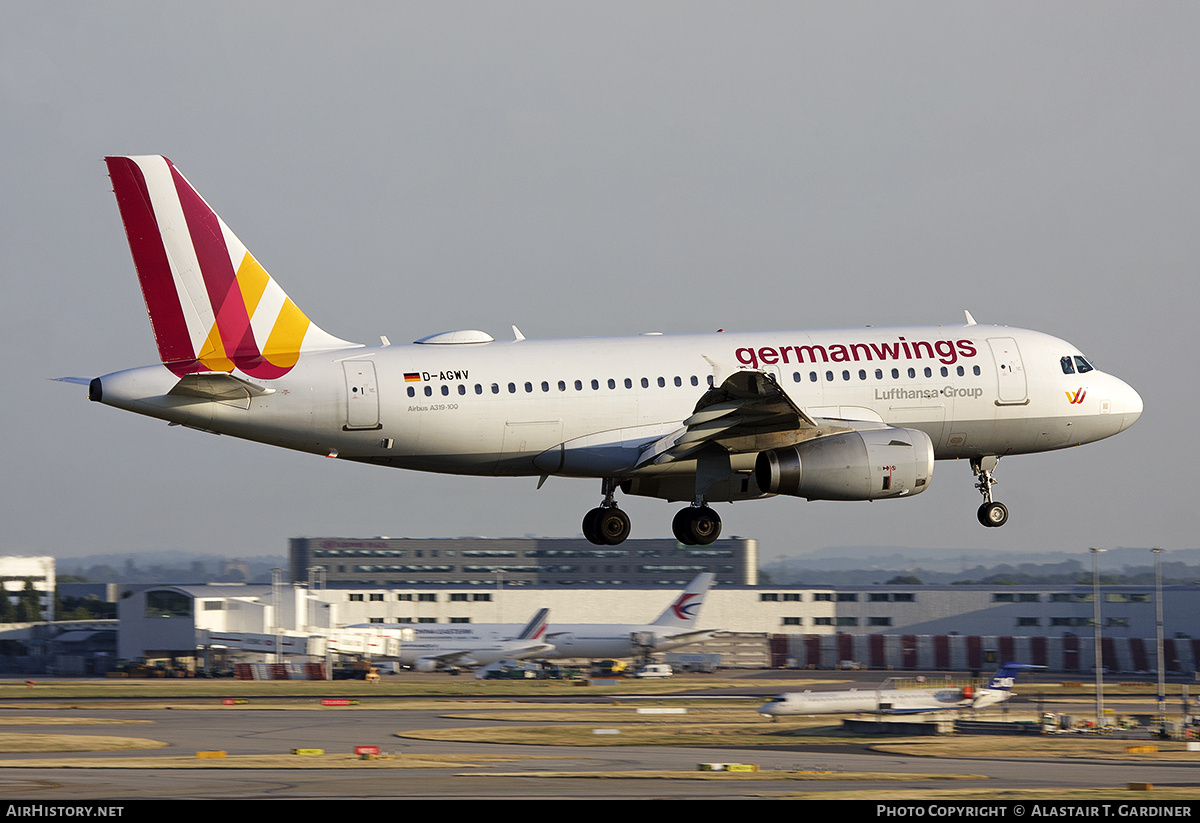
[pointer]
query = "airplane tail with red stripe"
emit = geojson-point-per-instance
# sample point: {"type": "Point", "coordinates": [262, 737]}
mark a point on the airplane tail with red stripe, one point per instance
{"type": "Point", "coordinates": [213, 308]}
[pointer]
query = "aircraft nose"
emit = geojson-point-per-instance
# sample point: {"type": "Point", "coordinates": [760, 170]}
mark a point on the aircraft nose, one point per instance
{"type": "Point", "coordinates": [1131, 403]}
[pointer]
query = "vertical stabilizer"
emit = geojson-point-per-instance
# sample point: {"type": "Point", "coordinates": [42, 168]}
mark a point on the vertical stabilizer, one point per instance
{"type": "Point", "coordinates": [535, 629]}
{"type": "Point", "coordinates": [213, 308]}
{"type": "Point", "coordinates": [685, 611]}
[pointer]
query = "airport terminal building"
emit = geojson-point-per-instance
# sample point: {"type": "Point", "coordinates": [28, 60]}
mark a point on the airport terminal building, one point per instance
{"type": "Point", "coordinates": [479, 562]}
{"type": "Point", "coordinates": [897, 627]}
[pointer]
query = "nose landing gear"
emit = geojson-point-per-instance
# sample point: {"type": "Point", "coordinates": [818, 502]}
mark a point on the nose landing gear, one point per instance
{"type": "Point", "coordinates": [992, 514]}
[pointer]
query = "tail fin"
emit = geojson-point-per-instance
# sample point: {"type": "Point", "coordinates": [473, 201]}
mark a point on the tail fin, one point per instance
{"type": "Point", "coordinates": [212, 306]}
{"type": "Point", "coordinates": [535, 629]}
{"type": "Point", "coordinates": [1006, 675]}
{"type": "Point", "coordinates": [685, 611]}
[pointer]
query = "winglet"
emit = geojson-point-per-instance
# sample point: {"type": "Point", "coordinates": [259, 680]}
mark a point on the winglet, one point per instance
{"type": "Point", "coordinates": [212, 306]}
{"type": "Point", "coordinates": [970, 319]}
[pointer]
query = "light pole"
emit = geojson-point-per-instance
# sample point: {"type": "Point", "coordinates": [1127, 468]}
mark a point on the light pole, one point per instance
{"type": "Point", "coordinates": [1158, 637]}
{"type": "Point", "coordinates": [1096, 635]}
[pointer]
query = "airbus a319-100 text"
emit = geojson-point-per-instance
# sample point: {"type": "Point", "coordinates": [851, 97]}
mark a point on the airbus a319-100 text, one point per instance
{"type": "Point", "coordinates": [824, 415]}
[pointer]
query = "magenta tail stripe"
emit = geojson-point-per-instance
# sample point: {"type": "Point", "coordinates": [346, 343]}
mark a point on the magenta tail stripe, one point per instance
{"type": "Point", "coordinates": [150, 260]}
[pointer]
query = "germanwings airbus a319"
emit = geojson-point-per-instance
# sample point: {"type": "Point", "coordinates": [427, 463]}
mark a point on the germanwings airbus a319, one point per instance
{"type": "Point", "coordinates": [855, 414]}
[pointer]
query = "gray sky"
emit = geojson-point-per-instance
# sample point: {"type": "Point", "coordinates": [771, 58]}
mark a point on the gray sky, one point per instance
{"type": "Point", "coordinates": [593, 169]}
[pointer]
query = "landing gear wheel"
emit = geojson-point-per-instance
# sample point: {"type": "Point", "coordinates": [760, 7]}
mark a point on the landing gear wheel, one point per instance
{"type": "Point", "coordinates": [696, 526]}
{"type": "Point", "coordinates": [613, 526]}
{"type": "Point", "coordinates": [606, 526]}
{"type": "Point", "coordinates": [993, 515]}
{"type": "Point", "coordinates": [589, 527]}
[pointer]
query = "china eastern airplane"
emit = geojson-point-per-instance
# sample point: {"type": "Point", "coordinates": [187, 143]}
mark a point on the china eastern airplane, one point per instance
{"type": "Point", "coordinates": [852, 414]}
{"type": "Point", "coordinates": [675, 627]}
{"type": "Point", "coordinates": [898, 701]}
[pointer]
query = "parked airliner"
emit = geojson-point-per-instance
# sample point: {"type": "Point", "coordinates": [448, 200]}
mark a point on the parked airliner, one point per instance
{"type": "Point", "coordinates": [676, 626]}
{"type": "Point", "coordinates": [898, 701]}
{"type": "Point", "coordinates": [858, 414]}
{"type": "Point", "coordinates": [451, 645]}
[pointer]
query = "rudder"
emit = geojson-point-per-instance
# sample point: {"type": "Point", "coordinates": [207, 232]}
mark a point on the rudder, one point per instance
{"type": "Point", "coordinates": [212, 306]}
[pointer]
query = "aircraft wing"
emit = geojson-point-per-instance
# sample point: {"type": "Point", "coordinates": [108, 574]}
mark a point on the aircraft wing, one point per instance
{"type": "Point", "coordinates": [744, 411]}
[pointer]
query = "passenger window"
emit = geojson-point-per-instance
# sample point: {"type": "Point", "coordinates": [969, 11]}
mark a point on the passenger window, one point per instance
{"type": "Point", "coordinates": [512, 388]}
{"type": "Point", "coordinates": [612, 384]}
{"type": "Point", "coordinates": [829, 377]}
{"type": "Point", "coordinates": [695, 382]}
{"type": "Point", "coordinates": [1067, 366]}
{"type": "Point", "coordinates": [961, 371]}
{"type": "Point", "coordinates": [545, 386]}
{"type": "Point", "coordinates": [895, 374]}
{"type": "Point", "coordinates": [661, 382]}
{"type": "Point", "coordinates": [879, 374]}
{"type": "Point", "coordinates": [945, 372]}
{"type": "Point", "coordinates": [795, 377]}
{"type": "Point", "coordinates": [628, 383]}
{"type": "Point", "coordinates": [812, 377]}
{"type": "Point", "coordinates": [845, 374]}
{"type": "Point", "coordinates": [528, 387]}
{"type": "Point", "coordinates": [678, 382]}
{"type": "Point", "coordinates": [578, 385]}
{"type": "Point", "coordinates": [429, 391]}
{"type": "Point", "coordinates": [862, 374]}
{"type": "Point", "coordinates": [645, 383]}
{"type": "Point", "coordinates": [928, 372]}
{"type": "Point", "coordinates": [462, 389]}
{"type": "Point", "coordinates": [445, 390]}
{"type": "Point", "coordinates": [976, 370]}
{"type": "Point", "coordinates": [912, 372]}
{"type": "Point", "coordinates": [595, 385]}
{"type": "Point", "coordinates": [495, 388]}
{"type": "Point", "coordinates": [562, 385]}
{"type": "Point", "coordinates": [478, 389]}
{"type": "Point", "coordinates": [412, 392]}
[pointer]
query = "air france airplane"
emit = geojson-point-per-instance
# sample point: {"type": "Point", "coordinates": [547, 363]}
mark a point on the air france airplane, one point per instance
{"type": "Point", "coordinates": [448, 646]}
{"type": "Point", "coordinates": [898, 701]}
{"type": "Point", "coordinates": [858, 414]}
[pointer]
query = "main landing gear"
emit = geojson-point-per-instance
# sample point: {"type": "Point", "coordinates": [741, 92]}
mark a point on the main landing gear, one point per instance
{"type": "Point", "coordinates": [608, 525]}
{"type": "Point", "coordinates": [992, 514]}
{"type": "Point", "coordinates": [696, 525]}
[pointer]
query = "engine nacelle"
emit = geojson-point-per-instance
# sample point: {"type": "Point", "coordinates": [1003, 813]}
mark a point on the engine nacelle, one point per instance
{"type": "Point", "coordinates": [427, 664]}
{"type": "Point", "coordinates": [874, 464]}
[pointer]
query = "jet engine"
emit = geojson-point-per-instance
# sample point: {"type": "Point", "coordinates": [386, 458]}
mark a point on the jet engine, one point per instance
{"type": "Point", "coordinates": [428, 664]}
{"type": "Point", "coordinates": [873, 464]}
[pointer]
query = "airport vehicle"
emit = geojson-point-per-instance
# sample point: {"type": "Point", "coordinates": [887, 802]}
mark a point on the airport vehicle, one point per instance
{"type": "Point", "coordinates": [886, 700]}
{"type": "Point", "coordinates": [851, 414]}
{"type": "Point", "coordinates": [452, 645]}
{"type": "Point", "coordinates": [655, 670]}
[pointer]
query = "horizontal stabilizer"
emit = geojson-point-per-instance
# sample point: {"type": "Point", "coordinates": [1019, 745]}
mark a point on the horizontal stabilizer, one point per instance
{"type": "Point", "coordinates": [219, 387]}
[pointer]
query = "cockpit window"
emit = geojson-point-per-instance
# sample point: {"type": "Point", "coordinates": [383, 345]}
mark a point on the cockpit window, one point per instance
{"type": "Point", "coordinates": [1083, 365]}
{"type": "Point", "coordinates": [1067, 366]}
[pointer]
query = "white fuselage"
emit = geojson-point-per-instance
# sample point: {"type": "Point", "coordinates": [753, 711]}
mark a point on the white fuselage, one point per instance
{"type": "Point", "coordinates": [585, 640]}
{"type": "Point", "coordinates": [595, 642]}
{"type": "Point", "coordinates": [888, 701]}
{"type": "Point", "coordinates": [586, 407]}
